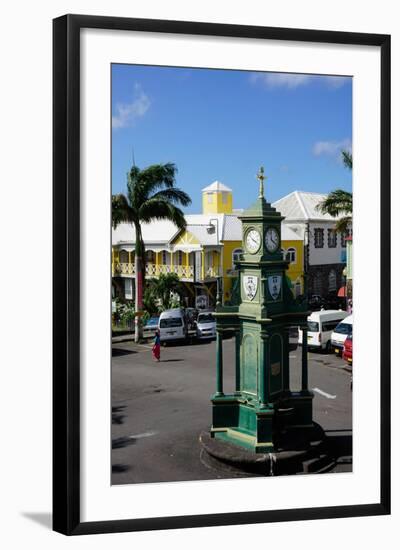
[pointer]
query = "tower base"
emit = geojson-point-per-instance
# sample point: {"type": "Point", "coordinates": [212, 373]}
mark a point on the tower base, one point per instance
{"type": "Point", "coordinates": [301, 450]}
{"type": "Point", "coordinates": [259, 428]}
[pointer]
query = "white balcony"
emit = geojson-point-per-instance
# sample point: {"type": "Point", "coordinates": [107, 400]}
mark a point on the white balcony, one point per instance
{"type": "Point", "coordinates": [185, 272]}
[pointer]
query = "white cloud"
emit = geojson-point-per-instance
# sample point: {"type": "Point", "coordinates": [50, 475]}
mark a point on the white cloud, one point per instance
{"type": "Point", "coordinates": [336, 81]}
{"type": "Point", "coordinates": [331, 148]}
{"type": "Point", "coordinates": [291, 81]}
{"type": "Point", "coordinates": [126, 114]}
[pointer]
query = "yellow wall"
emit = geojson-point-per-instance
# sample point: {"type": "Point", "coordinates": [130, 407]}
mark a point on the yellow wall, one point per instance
{"type": "Point", "coordinates": [217, 206]}
{"type": "Point", "coordinates": [296, 269]}
{"type": "Point", "coordinates": [227, 264]}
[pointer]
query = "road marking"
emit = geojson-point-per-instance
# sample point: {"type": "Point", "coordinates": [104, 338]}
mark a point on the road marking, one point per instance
{"type": "Point", "coordinates": [145, 434]}
{"type": "Point", "coordinates": [327, 395]}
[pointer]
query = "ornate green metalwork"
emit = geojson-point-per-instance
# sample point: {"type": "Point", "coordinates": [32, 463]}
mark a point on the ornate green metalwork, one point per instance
{"type": "Point", "coordinates": [261, 310]}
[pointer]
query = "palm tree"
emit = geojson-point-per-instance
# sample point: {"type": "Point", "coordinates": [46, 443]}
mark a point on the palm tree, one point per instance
{"type": "Point", "coordinates": [347, 159]}
{"type": "Point", "coordinates": [340, 202]}
{"type": "Point", "coordinates": [163, 287]}
{"type": "Point", "coordinates": [151, 195]}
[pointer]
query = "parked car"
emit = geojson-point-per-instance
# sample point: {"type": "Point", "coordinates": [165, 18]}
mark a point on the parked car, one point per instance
{"type": "Point", "coordinates": [341, 332]}
{"type": "Point", "coordinates": [173, 325]}
{"type": "Point", "coordinates": [320, 327]}
{"type": "Point", "coordinates": [206, 325]}
{"type": "Point", "coordinates": [348, 349]}
{"type": "Point", "coordinates": [151, 326]}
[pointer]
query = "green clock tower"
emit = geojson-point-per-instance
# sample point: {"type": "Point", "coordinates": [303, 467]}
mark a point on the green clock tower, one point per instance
{"type": "Point", "coordinates": [262, 407]}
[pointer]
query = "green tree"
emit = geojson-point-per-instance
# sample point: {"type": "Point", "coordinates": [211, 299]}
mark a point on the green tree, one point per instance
{"type": "Point", "coordinates": [340, 202]}
{"type": "Point", "coordinates": [151, 195]}
{"type": "Point", "coordinates": [163, 288]}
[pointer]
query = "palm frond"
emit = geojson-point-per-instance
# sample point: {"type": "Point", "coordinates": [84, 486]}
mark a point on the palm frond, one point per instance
{"type": "Point", "coordinates": [174, 195]}
{"type": "Point", "coordinates": [156, 177]}
{"type": "Point", "coordinates": [347, 158]}
{"type": "Point", "coordinates": [132, 184]}
{"type": "Point", "coordinates": [121, 211]}
{"type": "Point", "coordinates": [160, 209]}
{"type": "Point", "coordinates": [336, 203]}
{"type": "Point", "coordinates": [343, 224]}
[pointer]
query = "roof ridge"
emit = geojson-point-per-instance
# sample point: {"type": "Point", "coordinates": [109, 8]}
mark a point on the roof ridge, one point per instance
{"type": "Point", "coordinates": [302, 205]}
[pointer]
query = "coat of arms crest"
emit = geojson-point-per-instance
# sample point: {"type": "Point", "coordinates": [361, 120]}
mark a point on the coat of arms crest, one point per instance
{"type": "Point", "coordinates": [250, 284]}
{"type": "Point", "coordinates": [274, 286]}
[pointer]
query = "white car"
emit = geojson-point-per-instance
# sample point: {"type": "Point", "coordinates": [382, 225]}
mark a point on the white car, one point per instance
{"type": "Point", "coordinates": [341, 332]}
{"type": "Point", "coordinates": [320, 327]}
{"type": "Point", "coordinates": [206, 325]}
{"type": "Point", "coordinates": [172, 325]}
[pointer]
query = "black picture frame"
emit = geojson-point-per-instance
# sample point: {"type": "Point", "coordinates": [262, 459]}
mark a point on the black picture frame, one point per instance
{"type": "Point", "coordinates": [66, 273]}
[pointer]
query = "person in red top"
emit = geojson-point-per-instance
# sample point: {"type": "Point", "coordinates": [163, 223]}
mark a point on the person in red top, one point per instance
{"type": "Point", "coordinates": [156, 350]}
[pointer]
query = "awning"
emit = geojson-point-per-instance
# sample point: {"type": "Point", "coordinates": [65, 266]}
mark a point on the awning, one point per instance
{"type": "Point", "coordinates": [342, 292]}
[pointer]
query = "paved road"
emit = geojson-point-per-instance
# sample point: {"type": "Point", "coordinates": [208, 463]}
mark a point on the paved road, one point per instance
{"type": "Point", "coordinates": [159, 409]}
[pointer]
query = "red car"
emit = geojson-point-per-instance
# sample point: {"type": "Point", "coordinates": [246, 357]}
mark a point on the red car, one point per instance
{"type": "Point", "coordinates": [348, 349]}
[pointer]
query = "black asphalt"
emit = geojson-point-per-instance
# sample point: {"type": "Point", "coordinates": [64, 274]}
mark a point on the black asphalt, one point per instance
{"type": "Point", "coordinates": [160, 409]}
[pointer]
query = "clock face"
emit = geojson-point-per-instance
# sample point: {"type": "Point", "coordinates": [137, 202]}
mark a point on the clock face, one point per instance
{"type": "Point", "coordinates": [272, 239]}
{"type": "Point", "coordinates": [253, 241]}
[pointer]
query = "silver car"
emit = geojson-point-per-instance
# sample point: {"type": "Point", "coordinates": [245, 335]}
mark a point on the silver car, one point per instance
{"type": "Point", "coordinates": [206, 325]}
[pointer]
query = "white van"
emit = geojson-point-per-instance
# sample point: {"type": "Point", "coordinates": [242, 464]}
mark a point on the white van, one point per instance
{"type": "Point", "coordinates": [173, 325]}
{"type": "Point", "coordinates": [320, 327]}
{"type": "Point", "coordinates": [341, 332]}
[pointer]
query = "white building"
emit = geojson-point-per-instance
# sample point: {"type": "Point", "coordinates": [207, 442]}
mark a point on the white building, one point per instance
{"type": "Point", "coordinates": [324, 248]}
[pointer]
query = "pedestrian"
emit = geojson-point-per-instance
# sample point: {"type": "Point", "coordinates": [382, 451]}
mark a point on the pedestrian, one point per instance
{"type": "Point", "coordinates": [156, 346]}
{"type": "Point", "coordinates": [350, 306]}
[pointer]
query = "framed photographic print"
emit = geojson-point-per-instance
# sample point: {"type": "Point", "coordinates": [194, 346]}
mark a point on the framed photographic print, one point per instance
{"type": "Point", "coordinates": [218, 260]}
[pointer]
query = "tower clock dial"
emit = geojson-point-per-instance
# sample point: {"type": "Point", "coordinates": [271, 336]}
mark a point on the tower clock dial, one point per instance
{"type": "Point", "coordinates": [272, 239]}
{"type": "Point", "coordinates": [253, 241]}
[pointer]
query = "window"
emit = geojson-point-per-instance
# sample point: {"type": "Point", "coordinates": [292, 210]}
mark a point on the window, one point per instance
{"type": "Point", "coordinates": [236, 256]}
{"type": "Point", "coordinates": [330, 325]}
{"type": "Point", "coordinates": [205, 318]}
{"type": "Point", "coordinates": [164, 257]}
{"type": "Point", "coordinates": [171, 322]}
{"type": "Point", "coordinates": [224, 198]}
{"type": "Point", "coordinates": [150, 257]}
{"type": "Point", "coordinates": [123, 257]}
{"type": "Point", "coordinates": [343, 239]}
{"type": "Point", "coordinates": [291, 255]}
{"type": "Point", "coordinates": [332, 280]}
{"type": "Point", "coordinates": [317, 283]}
{"type": "Point", "coordinates": [209, 198]}
{"type": "Point", "coordinates": [332, 238]}
{"type": "Point", "coordinates": [344, 328]}
{"type": "Point", "coordinates": [313, 326]}
{"type": "Point", "coordinates": [179, 257]}
{"type": "Point", "coordinates": [318, 238]}
{"type": "Point", "coordinates": [128, 289]}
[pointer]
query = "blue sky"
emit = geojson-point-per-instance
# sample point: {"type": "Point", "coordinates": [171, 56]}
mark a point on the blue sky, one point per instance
{"type": "Point", "coordinates": [223, 125]}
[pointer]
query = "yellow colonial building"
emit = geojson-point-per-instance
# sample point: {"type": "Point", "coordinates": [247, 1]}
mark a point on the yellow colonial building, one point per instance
{"type": "Point", "coordinates": [205, 251]}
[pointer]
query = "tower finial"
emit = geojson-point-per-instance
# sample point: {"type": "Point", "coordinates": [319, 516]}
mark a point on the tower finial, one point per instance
{"type": "Point", "coordinates": [261, 178]}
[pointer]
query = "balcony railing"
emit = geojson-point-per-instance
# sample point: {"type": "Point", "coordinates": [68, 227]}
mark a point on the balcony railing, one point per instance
{"type": "Point", "coordinates": [122, 268]}
{"type": "Point", "coordinates": [184, 272]}
{"type": "Point", "coordinates": [212, 272]}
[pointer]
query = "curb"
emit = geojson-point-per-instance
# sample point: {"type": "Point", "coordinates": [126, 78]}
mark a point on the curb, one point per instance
{"type": "Point", "coordinates": [310, 459]}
